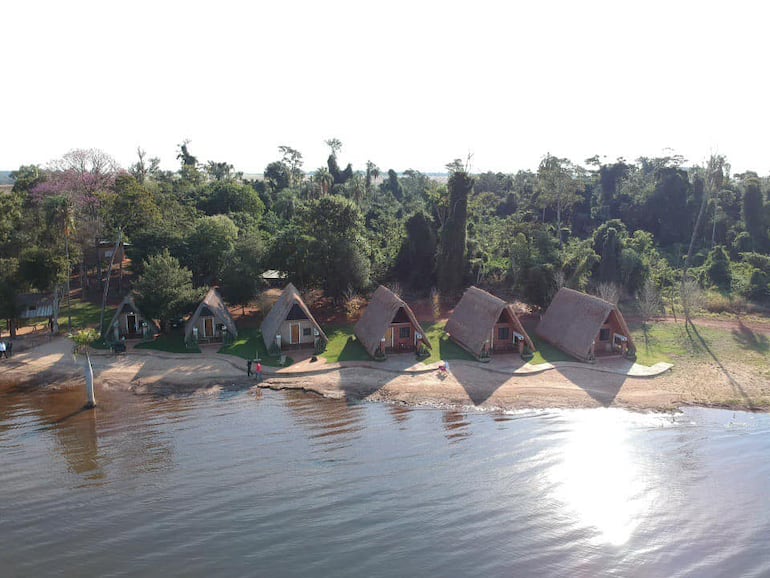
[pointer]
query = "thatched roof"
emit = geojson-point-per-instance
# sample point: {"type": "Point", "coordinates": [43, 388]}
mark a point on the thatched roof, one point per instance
{"type": "Point", "coordinates": [127, 306]}
{"type": "Point", "coordinates": [379, 314]}
{"type": "Point", "coordinates": [213, 302]}
{"type": "Point", "coordinates": [573, 320]}
{"type": "Point", "coordinates": [474, 318]}
{"type": "Point", "coordinates": [289, 298]}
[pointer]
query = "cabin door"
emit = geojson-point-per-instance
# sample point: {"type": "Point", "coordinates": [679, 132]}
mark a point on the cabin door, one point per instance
{"type": "Point", "coordinates": [295, 333]}
{"type": "Point", "coordinates": [131, 323]}
{"type": "Point", "coordinates": [389, 338]}
{"type": "Point", "coordinates": [208, 327]}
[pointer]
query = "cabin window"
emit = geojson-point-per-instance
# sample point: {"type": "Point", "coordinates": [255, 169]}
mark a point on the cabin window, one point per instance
{"type": "Point", "coordinates": [604, 334]}
{"type": "Point", "coordinates": [404, 332]}
{"type": "Point", "coordinates": [306, 331]}
{"type": "Point", "coordinates": [503, 333]}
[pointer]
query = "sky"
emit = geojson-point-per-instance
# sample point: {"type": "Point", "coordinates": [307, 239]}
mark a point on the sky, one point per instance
{"type": "Point", "coordinates": [405, 84]}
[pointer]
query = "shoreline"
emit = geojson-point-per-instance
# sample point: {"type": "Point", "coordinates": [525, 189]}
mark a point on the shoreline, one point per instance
{"type": "Point", "coordinates": [504, 385]}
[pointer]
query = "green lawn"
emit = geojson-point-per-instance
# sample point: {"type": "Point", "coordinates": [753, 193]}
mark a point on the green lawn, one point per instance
{"type": "Point", "coordinates": [675, 343]}
{"type": "Point", "coordinates": [546, 353]}
{"type": "Point", "coordinates": [343, 346]}
{"type": "Point", "coordinates": [84, 314]}
{"type": "Point", "coordinates": [659, 342]}
{"type": "Point", "coordinates": [249, 345]}
{"type": "Point", "coordinates": [442, 347]}
{"type": "Point", "coordinates": [173, 343]}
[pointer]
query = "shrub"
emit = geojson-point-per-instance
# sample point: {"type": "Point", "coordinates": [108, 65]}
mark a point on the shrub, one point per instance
{"type": "Point", "coordinates": [715, 302]}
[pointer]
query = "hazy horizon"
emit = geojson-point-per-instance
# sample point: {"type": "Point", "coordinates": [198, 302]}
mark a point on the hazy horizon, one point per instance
{"type": "Point", "coordinates": [403, 84]}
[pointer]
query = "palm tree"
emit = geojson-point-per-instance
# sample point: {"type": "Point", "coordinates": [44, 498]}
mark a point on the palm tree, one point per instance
{"type": "Point", "coordinates": [324, 178]}
{"type": "Point", "coordinates": [372, 174]}
{"type": "Point", "coordinates": [356, 189]}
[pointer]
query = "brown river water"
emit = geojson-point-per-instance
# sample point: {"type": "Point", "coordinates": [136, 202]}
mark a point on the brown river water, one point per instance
{"type": "Point", "coordinates": [289, 484]}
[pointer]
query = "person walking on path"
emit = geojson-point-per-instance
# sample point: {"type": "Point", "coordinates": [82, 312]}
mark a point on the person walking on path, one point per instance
{"type": "Point", "coordinates": [3, 352]}
{"type": "Point", "coordinates": [259, 372]}
{"type": "Point", "coordinates": [248, 367]}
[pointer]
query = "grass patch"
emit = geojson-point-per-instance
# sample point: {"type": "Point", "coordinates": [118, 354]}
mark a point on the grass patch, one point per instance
{"type": "Point", "coordinates": [84, 314]}
{"type": "Point", "coordinates": [660, 342]}
{"type": "Point", "coordinates": [442, 348]}
{"type": "Point", "coordinates": [672, 342]}
{"type": "Point", "coordinates": [547, 353]}
{"type": "Point", "coordinates": [173, 343]}
{"type": "Point", "coordinates": [343, 346]}
{"type": "Point", "coordinates": [249, 344]}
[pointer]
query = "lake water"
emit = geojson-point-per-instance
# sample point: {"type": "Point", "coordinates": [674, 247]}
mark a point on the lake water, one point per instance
{"type": "Point", "coordinates": [288, 484]}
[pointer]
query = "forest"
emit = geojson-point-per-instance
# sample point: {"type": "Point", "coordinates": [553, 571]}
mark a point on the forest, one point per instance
{"type": "Point", "coordinates": [649, 232]}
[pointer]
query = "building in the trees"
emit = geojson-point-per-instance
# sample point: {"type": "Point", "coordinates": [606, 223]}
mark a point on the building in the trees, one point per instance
{"type": "Point", "coordinates": [483, 324]}
{"type": "Point", "coordinates": [106, 251]}
{"type": "Point", "coordinates": [274, 278]}
{"type": "Point", "coordinates": [130, 323]}
{"type": "Point", "coordinates": [290, 325]}
{"type": "Point", "coordinates": [585, 326]}
{"type": "Point", "coordinates": [37, 305]}
{"type": "Point", "coordinates": [389, 325]}
{"type": "Point", "coordinates": [211, 321]}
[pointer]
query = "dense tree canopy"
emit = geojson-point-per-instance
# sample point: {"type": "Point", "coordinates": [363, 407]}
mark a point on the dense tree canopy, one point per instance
{"type": "Point", "coordinates": [621, 222]}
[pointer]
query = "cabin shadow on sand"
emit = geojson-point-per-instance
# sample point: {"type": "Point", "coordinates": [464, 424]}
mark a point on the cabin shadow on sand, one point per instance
{"type": "Point", "coordinates": [478, 385]}
{"type": "Point", "coordinates": [602, 387]}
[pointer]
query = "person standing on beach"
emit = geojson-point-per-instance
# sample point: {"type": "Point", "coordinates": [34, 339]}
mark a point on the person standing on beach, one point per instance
{"type": "Point", "coordinates": [259, 371]}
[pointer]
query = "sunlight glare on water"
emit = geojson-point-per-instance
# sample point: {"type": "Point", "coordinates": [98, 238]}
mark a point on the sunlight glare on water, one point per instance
{"type": "Point", "coordinates": [599, 477]}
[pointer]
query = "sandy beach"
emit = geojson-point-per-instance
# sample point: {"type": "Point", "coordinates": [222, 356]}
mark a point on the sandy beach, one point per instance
{"type": "Point", "coordinates": [506, 383]}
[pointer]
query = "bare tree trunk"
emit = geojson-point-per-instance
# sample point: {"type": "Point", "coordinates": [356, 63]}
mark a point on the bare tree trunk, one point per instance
{"type": "Point", "coordinates": [89, 374]}
{"type": "Point", "coordinates": [107, 284]}
{"type": "Point", "coordinates": [713, 167]}
{"type": "Point", "coordinates": [69, 275]}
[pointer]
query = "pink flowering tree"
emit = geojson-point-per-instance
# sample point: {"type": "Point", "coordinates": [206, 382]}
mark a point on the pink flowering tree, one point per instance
{"type": "Point", "coordinates": [79, 184]}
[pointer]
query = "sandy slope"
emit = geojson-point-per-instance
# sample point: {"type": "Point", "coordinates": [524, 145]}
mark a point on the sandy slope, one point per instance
{"type": "Point", "coordinates": [493, 386]}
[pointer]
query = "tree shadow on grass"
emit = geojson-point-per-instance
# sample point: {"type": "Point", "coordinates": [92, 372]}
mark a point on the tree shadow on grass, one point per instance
{"type": "Point", "coordinates": [747, 339]}
{"type": "Point", "coordinates": [698, 341]}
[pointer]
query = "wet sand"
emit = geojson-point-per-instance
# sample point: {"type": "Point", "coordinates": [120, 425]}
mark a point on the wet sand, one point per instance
{"type": "Point", "coordinates": [504, 384]}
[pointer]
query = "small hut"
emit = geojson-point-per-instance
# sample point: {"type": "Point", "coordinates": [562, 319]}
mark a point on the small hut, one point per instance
{"type": "Point", "coordinates": [389, 325]}
{"type": "Point", "coordinates": [37, 305]}
{"type": "Point", "coordinates": [130, 323]}
{"type": "Point", "coordinates": [211, 321]}
{"type": "Point", "coordinates": [585, 326]}
{"type": "Point", "coordinates": [290, 325]}
{"type": "Point", "coordinates": [482, 324]}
